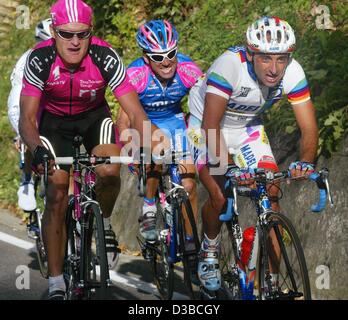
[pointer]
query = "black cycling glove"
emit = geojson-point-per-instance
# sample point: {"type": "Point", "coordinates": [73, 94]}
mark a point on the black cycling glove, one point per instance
{"type": "Point", "coordinates": [38, 156]}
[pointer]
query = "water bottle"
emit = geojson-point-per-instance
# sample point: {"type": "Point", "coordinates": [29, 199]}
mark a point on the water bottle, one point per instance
{"type": "Point", "coordinates": [249, 248]}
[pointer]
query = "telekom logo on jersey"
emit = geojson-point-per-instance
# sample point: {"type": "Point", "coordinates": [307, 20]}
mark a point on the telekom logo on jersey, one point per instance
{"type": "Point", "coordinates": [110, 62]}
{"type": "Point", "coordinates": [36, 63]}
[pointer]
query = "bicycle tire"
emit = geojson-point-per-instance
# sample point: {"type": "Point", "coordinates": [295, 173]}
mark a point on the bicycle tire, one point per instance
{"type": "Point", "coordinates": [230, 284]}
{"type": "Point", "coordinates": [293, 274]}
{"type": "Point", "coordinates": [40, 248]}
{"type": "Point", "coordinates": [72, 255]}
{"type": "Point", "coordinates": [189, 257]}
{"type": "Point", "coordinates": [94, 271]}
{"type": "Point", "coordinates": [162, 268]}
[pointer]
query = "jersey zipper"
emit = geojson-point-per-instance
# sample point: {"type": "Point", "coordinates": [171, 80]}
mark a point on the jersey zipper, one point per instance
{"type": "Point", "coordinates": [71, 88]}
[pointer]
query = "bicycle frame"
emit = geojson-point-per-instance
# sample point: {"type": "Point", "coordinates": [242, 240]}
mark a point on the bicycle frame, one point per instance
{"type": "Point", "coordinates": [170, 233]}
{"type": "Point", "coordinates": [263, 208]}
{"type": "Point", "coordinates": [84, 194]}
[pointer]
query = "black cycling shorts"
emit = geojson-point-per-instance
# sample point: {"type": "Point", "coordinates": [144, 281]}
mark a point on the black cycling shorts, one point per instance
{"type": "Point", "coordinates": [57, 132]}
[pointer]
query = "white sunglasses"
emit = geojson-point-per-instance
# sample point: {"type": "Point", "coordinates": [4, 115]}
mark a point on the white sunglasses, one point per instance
{"type": "Point", "coordinates": [159, 57]}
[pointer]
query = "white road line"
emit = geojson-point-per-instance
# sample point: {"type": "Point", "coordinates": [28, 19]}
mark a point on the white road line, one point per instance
{"type": "Point", "coordinates": [138, 284]}
{"type": "Point", "coordinates": [132, 282]}
{"type": "Point", "coordinates": [16, 241]}
{"type": "Point", "coordinates": [114, 276]}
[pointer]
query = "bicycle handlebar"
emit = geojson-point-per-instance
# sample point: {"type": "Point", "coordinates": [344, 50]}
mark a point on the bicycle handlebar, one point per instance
{"type": "Point", "coordinates": [263, 176]}
{"type": "Point", "coordinates": [170, 157]}
{"type": "Point", "coordinates": [322, 181]}
{"type": "Point", "coordinates": [94, 160]}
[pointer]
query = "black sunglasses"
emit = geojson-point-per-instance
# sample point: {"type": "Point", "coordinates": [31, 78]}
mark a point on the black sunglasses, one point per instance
{"type": "Point", "coordinates": [159, 57]}
{"type": "Point", "coordinates": [68, 35]}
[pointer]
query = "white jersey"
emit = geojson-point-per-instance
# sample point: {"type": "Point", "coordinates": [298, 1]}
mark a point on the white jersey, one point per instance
{"type": "Point", "coordinates": [232, 77]}
{"type": "Point", "coordinates": [14, 96]}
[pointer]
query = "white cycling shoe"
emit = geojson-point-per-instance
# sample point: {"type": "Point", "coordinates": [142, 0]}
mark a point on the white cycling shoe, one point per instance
{"type": "Point", "coordinates": [26, 196]}
{"type": "Point", "coordinates": [208, 267]}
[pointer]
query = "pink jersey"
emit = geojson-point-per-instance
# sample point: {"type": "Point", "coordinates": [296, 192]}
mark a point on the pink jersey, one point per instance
{"type": "Point", "coordinates": [69, 92]}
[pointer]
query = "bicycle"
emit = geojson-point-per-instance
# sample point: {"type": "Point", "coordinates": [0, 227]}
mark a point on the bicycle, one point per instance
{"type": "Point", "coordinates": [34, 218]}
{"type": "Point", "coordinates": [86, 269]}
{"type": "Point", "coordinates": [170, 247]}
{"type": "Point", "coordinates": [274, 247]}
{"type": "Point", "coordinates": [34, 229]}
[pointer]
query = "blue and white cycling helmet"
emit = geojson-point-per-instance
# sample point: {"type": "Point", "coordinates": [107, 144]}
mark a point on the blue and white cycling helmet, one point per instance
{"type": "Point", "coordinates": [157, 36]}
{"type": "Point", "coordinates": [271, 35]}
{"type": "Point", "coordinates": [42, 30]}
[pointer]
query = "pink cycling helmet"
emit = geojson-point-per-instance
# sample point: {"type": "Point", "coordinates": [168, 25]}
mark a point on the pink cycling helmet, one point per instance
{"type": "Point", "coordinates": [67, 11]}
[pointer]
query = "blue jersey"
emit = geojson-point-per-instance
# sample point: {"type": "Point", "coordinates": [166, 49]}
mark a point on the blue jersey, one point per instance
{"type": "Point", "coordinates": [162, 102]}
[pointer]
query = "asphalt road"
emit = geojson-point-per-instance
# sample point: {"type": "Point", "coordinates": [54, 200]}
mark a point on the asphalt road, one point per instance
{"type": "Point", "coordinates": [20, 278]}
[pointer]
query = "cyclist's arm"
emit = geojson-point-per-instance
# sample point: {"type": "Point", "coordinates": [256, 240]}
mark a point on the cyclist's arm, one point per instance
{"type": "Point", "coordinates": [123, 122]}
{"type": "Point", "coordinates": [131, 105]}
{"type": "Point", "coordinates": [28, 130]}
{"type": "Point", "coordinates": [306, 120]}
{"type": "Point", "coordinates": [214, 110]}
{"type": "Point", "coordinates": [13, 107]}
{"type": "Point", "coordinates": [13, 98]}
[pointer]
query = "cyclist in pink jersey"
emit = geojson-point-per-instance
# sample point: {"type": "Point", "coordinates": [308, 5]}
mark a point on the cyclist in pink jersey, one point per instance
{"type": "Point", "coordinates": [69, 74]}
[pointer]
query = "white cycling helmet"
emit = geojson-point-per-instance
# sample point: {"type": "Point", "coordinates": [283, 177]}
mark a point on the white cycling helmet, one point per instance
{"type": "Point", "coordinates": [42, 30]}
{"type": "Point", "coordinates": [271, 35]}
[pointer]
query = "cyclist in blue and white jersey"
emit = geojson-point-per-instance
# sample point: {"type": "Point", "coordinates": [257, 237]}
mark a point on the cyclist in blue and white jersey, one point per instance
{"type": "Point", "coordinates": [162, 77]}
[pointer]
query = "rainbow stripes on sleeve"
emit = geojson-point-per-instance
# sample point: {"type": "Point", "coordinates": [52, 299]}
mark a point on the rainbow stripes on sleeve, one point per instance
{"type": "Point", "coordinates": [220, 83]}
{"type": "Point", "coordinates": [300, 93]}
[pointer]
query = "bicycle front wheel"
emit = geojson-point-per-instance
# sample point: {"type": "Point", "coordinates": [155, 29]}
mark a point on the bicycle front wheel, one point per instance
{"type": "Point", "coordinates": [230, 286]}
{"type": "Point", "coordinates": [40, 248]}
{"type": "Point", "coordinates": [162, 267]}
{"type": "Point", "coordinates": [188, 249]}
{"type": "Point", "coordinates": [95, 270]}
{"type": "Point", "coordinates": [283, 273]}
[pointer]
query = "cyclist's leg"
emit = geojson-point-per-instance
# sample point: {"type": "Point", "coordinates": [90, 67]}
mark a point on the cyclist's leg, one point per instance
{"type": "Point", "coordinates": [54, 233]}
{"type": "Point", "coordinates": [216, 200]}
{"type": "Point", "coordinates": [187, 172]}
{"type": "Point", "coordinates": [101, 139]}
{"type": "Point", "coordinates": [108, 178]}
{"type": "Point", "coordinates": [147, 218]}
{"type": "Point", "coordinates": [212, 208]}
{"type": "Point", "coordinates": [208, 265]}
{"type": "Point", "coordinates": [55, 137]}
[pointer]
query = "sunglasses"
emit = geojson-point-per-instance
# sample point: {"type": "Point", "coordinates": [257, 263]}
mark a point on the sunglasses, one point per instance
{"type": "Point", "coordinates": [159, 57]}
{"type": "Point", "coordinates": [67, 35]}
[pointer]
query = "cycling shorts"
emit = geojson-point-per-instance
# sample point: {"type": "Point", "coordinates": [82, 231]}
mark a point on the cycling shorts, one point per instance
{"type": "Point", "coordinates": [95, 126]}
{"type": "Point", "coordinates": [249, 146]}
{"type": "Point", "coordinates": [174, 127]}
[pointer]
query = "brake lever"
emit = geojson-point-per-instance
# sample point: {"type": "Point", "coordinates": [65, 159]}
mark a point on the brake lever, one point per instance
{"type": "Point", "coordinates": [325, 176]}
{"type": "Point", "coordinates": [45, 157]}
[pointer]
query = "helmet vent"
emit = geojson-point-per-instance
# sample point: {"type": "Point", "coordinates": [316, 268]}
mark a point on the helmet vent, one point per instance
{"type": "Point", "coordinates": [268, 36]}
